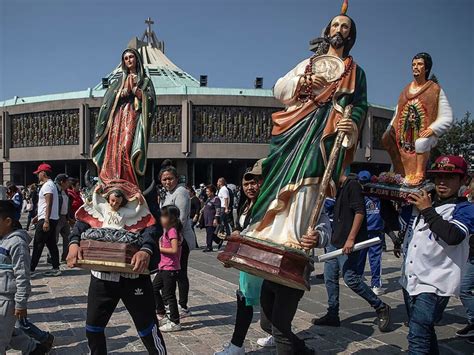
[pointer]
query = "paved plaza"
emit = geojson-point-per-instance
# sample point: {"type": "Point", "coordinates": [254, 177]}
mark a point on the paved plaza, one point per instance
{"type": "Point", "coordinates": [59, 306]}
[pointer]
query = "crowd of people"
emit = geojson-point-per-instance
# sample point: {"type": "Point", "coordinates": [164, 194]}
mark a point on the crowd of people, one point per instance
{"type": "Point", "coordinates": [434, 241]}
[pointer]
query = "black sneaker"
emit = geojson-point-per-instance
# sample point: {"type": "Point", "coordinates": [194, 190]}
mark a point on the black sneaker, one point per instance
{"type": "Point", "coordinates": [207, 250]}
{"type": "Point", "coordinates": [308, 351]}
{"type": "Point", "coordinates": [328, 319]}
{"type": "Point", "coordinates": [40, 350]}
{"type": "Point", "coordinates": [466, 332]}
{"type": "Point", "coordinates": [383, 317]}
{"type": "Point", "coordinates": [48, 342]}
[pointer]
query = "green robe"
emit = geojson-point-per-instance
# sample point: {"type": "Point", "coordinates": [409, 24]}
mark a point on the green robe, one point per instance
{"type": "Point", "coordinates": [295, 154]}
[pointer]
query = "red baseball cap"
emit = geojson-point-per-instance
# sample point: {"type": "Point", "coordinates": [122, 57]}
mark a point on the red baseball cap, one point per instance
{"type": "Point", "coordinates": [451, 164]}
{"type": "Point", "coordinates": [43, 167]}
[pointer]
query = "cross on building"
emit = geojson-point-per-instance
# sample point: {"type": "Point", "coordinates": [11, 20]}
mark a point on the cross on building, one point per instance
{"type": "Point", "coordinates": [149, 36]}
{"type": "Point", "coordinates": [149, 22]}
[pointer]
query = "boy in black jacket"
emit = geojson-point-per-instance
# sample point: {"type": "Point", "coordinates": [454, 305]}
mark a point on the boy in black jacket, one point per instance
{"type": "Point", "coordinates": [106, 289]}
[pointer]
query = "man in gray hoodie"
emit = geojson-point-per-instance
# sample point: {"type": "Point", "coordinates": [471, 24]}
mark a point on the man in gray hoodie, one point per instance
{"type": "Point", "coordinates": [14, 279]}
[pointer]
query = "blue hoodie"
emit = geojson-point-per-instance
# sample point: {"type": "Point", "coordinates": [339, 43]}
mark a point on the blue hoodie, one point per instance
{"type": "Point", "coordinates": [372, 211]}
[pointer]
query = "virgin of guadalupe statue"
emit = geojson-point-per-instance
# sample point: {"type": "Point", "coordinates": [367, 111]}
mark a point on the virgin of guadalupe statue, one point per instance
{"type": "Point", "coordinates": [122, 129]}
{"type": "Point", "coordinates": [423, 114]}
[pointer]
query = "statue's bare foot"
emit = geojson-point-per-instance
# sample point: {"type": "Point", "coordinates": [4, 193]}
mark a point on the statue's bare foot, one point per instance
{"type": "Point", "coordinates": [414, 180]}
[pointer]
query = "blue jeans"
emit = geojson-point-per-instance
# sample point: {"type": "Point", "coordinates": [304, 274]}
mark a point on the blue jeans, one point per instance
{"type": "Point", "coordinates": [348, 265]}
{"type": "Point", "coordinates": [375, 260]}
{"type": "Point", "coordinates": [467, 291]}
{"type": "Point", "coordinates": [424, 310]}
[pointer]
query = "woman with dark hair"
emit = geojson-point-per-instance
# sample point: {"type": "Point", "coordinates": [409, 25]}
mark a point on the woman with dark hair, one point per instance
{"type": "Point", "coordinates": [177, 195]}
{"type": "Point", "coordinates": [248, 294]}
{"type": "Point", "coordinates": [211, 214]}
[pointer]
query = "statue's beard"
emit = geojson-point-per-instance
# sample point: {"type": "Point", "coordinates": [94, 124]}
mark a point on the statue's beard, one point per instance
{"type": "Point", "coordinates": [337, 41]}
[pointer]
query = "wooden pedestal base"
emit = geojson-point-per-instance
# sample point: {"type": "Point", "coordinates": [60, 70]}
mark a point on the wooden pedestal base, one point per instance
{"type": "Point", "coordinates": [272, 262]}
{"type": "Point", "coordinates": [393, 192]}
{"type": "Point", "coordinates": [106, 256]}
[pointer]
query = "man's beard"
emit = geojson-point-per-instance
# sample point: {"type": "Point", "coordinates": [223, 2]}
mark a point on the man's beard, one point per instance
{"type": "Point", "coordinates": [337, 41]}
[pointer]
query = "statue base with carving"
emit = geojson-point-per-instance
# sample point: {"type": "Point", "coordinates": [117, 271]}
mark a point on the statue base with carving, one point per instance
{"type": "Point", "coordinates": [390, 186]}
{"type": "Point", "coordinates": [270, 261]}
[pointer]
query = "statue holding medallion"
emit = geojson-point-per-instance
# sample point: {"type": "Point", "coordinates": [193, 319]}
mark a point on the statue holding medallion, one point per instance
{"type": "Point", "coordinates": [326, 103]}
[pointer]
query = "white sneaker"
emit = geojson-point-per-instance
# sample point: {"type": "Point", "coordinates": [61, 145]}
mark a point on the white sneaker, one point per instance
{"type": "Point", "coordinates": [162, 320]}
{"type": "Point", "coordinates": [184, 312]}
{"type": "Point", "coordinates": [378, 290]}
{"type": "Point", "coordinates": [231, 349]}
{"type": "Point", "coordinates": [267, 342]}
{"type": "Point", "coordinates": [170, 327]}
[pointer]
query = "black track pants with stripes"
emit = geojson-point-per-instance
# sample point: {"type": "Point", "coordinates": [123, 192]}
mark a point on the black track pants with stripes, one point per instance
{"type": "Point", "coordinates": [137, 296]}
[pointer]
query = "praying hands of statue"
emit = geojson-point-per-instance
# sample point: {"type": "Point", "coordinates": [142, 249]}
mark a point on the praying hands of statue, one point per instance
{"type": "Point", "coordinates": [132, 86]}
{"type": "Point", "coordinates": [128, 86]}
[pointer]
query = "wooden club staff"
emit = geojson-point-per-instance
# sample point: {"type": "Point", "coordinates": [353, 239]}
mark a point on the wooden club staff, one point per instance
{"type": "Point", "coordinates": [328, 173]}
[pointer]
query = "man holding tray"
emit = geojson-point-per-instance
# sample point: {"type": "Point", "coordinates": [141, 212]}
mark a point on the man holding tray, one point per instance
{"type": "Point", "coordinates": [106, 289]}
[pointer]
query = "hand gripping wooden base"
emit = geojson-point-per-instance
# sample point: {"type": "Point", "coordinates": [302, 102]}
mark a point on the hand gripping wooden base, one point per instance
{"type": "Point", "coordinates": [273, 262]}
{"type": "Point", "coordinates": [107, 256]}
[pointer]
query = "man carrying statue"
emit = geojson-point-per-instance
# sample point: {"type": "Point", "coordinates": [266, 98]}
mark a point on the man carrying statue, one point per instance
{"type": "Point", "coordinates": [115, 221]}
{"type": "Point", "coordinates": [326, 102]}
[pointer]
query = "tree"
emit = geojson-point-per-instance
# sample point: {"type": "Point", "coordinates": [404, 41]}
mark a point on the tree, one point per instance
{"type": "Point", "coordinates": [458, 140]}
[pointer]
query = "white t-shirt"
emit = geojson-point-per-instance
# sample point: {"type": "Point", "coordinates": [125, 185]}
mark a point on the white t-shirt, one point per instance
{"type": "Point", "coordinates": [224, 194]}
{"type": "Point", "coordinates": [48, 188]}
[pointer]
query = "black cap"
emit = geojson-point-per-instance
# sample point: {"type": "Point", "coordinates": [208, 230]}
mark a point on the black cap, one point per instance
{"type": "Point", "coordinates": [7, 209]}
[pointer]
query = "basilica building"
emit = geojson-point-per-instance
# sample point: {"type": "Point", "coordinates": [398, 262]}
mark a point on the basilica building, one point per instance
{"type": "Point", "coordinates": [207, 132]}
